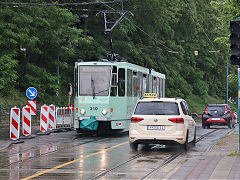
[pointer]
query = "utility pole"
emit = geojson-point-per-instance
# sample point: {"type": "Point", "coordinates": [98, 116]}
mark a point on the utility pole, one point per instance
{"type": "Point", "coordinates": [226, 83]}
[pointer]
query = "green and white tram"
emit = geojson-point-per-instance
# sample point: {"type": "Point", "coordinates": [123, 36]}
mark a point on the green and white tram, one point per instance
{"type": "Point", "coordinates": [106, 93]}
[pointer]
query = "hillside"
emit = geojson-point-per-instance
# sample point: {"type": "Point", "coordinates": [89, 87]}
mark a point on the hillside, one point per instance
{"type": "Point", "coordinates": [39, 45]}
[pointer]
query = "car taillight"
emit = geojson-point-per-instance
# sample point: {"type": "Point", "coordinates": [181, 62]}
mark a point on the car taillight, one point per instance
{"type": "Point", "coordinates": [205, 111]}
{"type": "Point", "coordinates": [176, 120]}
{"type": "Point", "coordinates": [136, 119]}
{"type": "Point", "coordinates": [226, 111]}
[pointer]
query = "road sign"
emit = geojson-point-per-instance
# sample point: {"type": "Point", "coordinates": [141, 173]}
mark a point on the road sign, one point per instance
{"type": "Point", "coordinates": [196, 53]}
{"type": "Point", "coordinates": [31, 92]}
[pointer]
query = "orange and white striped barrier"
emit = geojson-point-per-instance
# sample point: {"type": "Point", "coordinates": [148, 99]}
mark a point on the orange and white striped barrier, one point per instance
{"type": "Point", "coordinates": [14, 123]}
{"type": "Point", "coordinates": [26, 121]}
{"type": "Point", "coordinates": [51, 117]}
{"type": "Point", "coordinates": [33, 105]}
{"type": "Point", "coordinates": [44, 118]}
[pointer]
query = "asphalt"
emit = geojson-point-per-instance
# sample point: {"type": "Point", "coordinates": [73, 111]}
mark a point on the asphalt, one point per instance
{"type": "Point", "coordinates": [212, 165]}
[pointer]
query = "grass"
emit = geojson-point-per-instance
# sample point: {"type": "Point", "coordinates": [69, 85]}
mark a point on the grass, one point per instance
{"type": "Point", "coordinates": [235, 153]}
{"type": "Point", "coordinates": [198, 104]}
{"type": "Point", "coordinates": [16, 98]}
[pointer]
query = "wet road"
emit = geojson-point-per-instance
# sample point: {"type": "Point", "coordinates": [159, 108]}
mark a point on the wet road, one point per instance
{"type": "Point", "coordinates": [68, 155]}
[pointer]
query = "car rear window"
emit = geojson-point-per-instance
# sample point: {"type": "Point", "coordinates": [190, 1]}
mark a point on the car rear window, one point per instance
{"type": "Point", "coordinates": [156, 108]}
{"type": "Point", "coordinates": [216, 108]}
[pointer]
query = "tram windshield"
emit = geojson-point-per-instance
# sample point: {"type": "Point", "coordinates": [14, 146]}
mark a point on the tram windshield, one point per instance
{"type": "Point", "coordinates": [94, 80]}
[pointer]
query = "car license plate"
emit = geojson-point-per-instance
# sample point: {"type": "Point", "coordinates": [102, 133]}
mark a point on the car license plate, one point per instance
{"type": "Point", "coordinates": [214, 119]}
{"type": "Point", "coordinates": [156, 128]}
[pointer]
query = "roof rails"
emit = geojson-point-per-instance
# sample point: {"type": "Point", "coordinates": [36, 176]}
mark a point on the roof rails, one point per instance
{"type": "Point", "coordinates": [178, 98]}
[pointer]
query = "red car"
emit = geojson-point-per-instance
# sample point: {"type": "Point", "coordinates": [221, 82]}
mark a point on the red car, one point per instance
{"type": "Point", "coordinates": [218, 114]}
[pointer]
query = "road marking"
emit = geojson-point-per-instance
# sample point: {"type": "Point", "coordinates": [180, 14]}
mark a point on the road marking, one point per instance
{"type": "Point", "coordinates": [71, 162]}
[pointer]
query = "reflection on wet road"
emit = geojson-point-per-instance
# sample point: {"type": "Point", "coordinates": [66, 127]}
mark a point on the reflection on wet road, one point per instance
{"type": "Point", "coordinates": [68, 155]}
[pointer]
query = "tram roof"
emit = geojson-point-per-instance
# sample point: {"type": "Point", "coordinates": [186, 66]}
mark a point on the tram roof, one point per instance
{"type": "Point", "coordinates": [121, 64]}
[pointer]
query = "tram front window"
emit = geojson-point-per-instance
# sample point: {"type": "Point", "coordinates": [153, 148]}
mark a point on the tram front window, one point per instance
{"type": "Point", "coordinates": [94, 80]}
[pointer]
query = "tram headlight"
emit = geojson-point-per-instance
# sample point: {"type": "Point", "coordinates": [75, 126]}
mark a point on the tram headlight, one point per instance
{"type": "Point", "coordinates": [82, 111]}
{"type": "Point", "coordinates": [104, 111]}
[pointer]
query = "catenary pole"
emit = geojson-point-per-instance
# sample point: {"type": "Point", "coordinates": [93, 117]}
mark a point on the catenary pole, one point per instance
{"type": "Point", "coordinates": [226, 83]}
{"type": "Point", "coordinates": [239, 105]}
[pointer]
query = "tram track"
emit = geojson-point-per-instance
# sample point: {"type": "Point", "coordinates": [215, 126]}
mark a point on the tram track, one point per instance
{"type": "Point", "coordinates": [143, 154]}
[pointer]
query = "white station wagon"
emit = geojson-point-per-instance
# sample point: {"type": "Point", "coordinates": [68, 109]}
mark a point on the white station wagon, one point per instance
{"type": "Point", "coordinates": [162, 121]}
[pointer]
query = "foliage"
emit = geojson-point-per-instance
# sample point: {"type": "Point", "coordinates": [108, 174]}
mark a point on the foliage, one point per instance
{"type": "Point", "coordinates": [162, 35]}
{"type": "Point", "coordinates": [31, 40]}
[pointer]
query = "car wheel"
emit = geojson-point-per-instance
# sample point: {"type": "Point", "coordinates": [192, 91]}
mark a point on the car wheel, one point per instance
{"type": "Point", "coordinates": [194, 139]}
{"type": "Point", "coordinates": [185, 146]}
{"type": "Point", "coordinates": [233, 121]}
{"type": "Point", "coordinates": [208, 126]}
{"type": "Point", "coordinates": [133, 146]}
{"type": "Point", "coordinates": [230, 125]}
{"type": "Point", "coordinates": [203, 126]}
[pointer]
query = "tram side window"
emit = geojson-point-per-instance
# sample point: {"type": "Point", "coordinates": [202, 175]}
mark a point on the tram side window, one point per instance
{"type": "Point", "coordinates": [154, 85]}
{"type": "Point", "coordinates": [158, 94]}
{"type": "Point", "coordinates": [121, 82]}
{"type": "Point", "coordinates": [140, 79]}
{"type": "Point", "coordinates": [144, 86]}
{"type": "Point", "coordinates": [161, 87]}
{"type": "Point", "coordinates": [135, 84]}
{"type": "Point", "coordinates": [114, 81]}
{"type": "Point", "coordinates": [148, 83]}
{"type": "Point", "coordinates": [76, 80]}
{"type": "Point", "coordinates": [129, 83]}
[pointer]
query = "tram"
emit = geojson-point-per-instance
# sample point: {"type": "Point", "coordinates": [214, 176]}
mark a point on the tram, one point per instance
{"type": "Point", "coordinates": [106, 93]}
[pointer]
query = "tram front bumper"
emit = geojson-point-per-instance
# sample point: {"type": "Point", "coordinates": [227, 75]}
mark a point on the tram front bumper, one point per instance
{"type": "Point", "coordinates": [98, 118]}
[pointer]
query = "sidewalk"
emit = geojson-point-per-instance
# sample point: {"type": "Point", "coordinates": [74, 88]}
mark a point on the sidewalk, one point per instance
{"type": "Point", "coordinates": [5, 141]}
{"type": "Point", "coordinates": [221, 162]}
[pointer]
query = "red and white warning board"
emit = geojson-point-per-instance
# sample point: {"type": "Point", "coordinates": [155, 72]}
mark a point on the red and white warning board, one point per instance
{"type": "Point", "coordinates": [52, 117]}
{"type": "Point", "coordinates": [14, 123]}
{"type": "Point", "coordinates": [44, 118]}
{"type": "Point", "coordinates": [26, 121]}
{"type": "Point", "coordinates": [33, 106]}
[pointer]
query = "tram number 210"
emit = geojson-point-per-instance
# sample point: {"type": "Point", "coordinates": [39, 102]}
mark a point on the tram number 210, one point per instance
{"type": "Point", "coordinates": [93, 108]}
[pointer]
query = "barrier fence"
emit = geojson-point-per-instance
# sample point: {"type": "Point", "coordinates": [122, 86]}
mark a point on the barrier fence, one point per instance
{"type": "Point", "coordinates": [5, 112]}
{"type": "Point", "coordinates": [64, 117]}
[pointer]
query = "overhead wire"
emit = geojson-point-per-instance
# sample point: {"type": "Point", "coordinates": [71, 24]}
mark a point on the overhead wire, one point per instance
{"type": "Point", "coordinates": [156, 40]}
{"type": "Point", "coordinates": [196, 20]}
